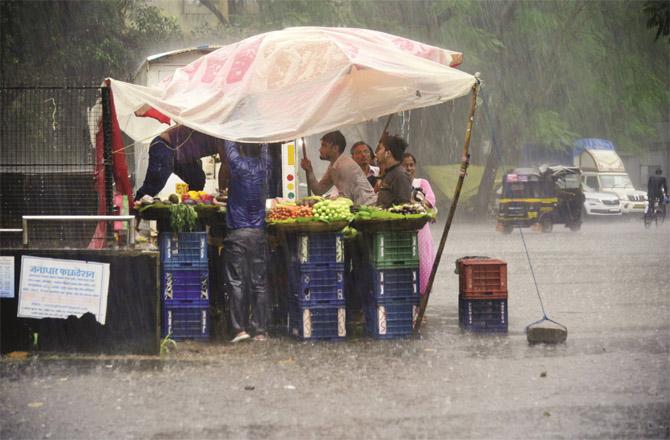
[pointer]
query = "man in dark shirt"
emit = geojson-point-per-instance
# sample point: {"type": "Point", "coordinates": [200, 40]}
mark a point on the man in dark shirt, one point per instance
{"type": "Point", "coordinates": [245, 242]}
{"type": "Point", "coordinates": [178, 150]}
{"type": "Point", "coordinates": [396, 185]}
{"type": "Point", "coordinates": [657, 187]}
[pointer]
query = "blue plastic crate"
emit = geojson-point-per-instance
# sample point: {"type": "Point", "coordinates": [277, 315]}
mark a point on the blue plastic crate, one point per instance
{"type": "Point", "coordinates": [316, 247]}
{"type": "Point", "coordinates": [391, 319]}
{"type": "Point", "coordinates": [401, 284]}
{"type": "Point", "coordinates": [186, 320]}
{"type": "Point", "coordinates": [183, 249]}
{"type": "Point", "coordinates": [483, 315]}
{"type": "Point", "coordinates": [185, 284]}
{"type": "Point", "coordinates": [321, 322]}
{"type": "Point", "coordinates": [316, 284]}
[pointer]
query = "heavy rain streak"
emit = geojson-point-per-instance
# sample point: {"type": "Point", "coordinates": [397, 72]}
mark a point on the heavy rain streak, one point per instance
{"type": "Point", "coordinates": [334, 219]}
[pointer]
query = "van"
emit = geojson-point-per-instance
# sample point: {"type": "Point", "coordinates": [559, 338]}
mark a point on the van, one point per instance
{"type": "Point", "coordinates": [603, 171]}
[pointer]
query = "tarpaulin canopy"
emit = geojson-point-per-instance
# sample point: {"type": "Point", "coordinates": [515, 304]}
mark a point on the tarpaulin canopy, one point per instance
{"type": "Point", "coordinates": [295, 82]}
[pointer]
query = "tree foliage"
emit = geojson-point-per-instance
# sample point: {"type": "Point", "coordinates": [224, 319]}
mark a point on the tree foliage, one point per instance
{"type": "Point", "coordinates": [75, 42]}
{"type": "Point", "coordinates": [552, 70]}
{"type": "Point", "coordinates": [658, 13]}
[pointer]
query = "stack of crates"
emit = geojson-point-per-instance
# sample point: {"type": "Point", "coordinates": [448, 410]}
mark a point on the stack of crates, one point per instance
{"type": "Point", "coordinates": [482, 299]}
{"type": "Point", "coordinates": [316, 300]}
{"type": "Point", "coordinates": [391, 306]}
{"type": "Point", "coordinates": [184, 285]}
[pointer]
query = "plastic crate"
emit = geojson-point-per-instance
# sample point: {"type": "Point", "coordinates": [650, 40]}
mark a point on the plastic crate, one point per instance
{"type": "Point", "coordinates": [394, 249]}
{"type": "Point", "coordinates": [186, 320]}
{"type": "Point", "coordinates": [183, 249]}
{"type": "Point", "coordinates": [184, 284]}
{"type": "Point", "coordinates": [317, 284]}
{"type": "Point", "coordinates": [402, 284]}
{"type": "Point", "coordinates": [321, 322]}
{"type": "Point", "coordinates": [316, 247]}
{"type": "Point", "coordinates": [482, 315]}
{"type": "Point", "coordinates": [482, 279]}
{"type": "Point", "coordinates": [391, 319]}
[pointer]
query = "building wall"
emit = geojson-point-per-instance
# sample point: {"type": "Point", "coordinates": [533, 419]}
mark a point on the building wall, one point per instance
{"type": "Point", "coordinates": [191, 14]}
{"type": "Point", "coordinates": [640, 166]}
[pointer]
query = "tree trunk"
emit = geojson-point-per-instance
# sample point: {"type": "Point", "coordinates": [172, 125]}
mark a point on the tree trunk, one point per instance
{"type": "Point", "coordinates": [488, 179]}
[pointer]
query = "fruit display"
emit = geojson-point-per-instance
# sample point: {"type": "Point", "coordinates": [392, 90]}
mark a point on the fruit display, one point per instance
{"type": "Point", "coordinates": [195, 197]}
{"type": "Point", "coordinates": [310, 209]}
{"type": "Point", "coordinates": [310, 201]}
{"type": "Point", "coordinates": [288, 212]}
{"type": "Point", "coordinates": [333, 210]}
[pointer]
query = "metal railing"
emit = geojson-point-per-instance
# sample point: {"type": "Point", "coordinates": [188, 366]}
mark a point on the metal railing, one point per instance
{"type": "Point", "coordinates": [124, 218]}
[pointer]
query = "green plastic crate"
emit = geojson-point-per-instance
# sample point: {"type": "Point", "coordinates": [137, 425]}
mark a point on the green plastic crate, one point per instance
{"type": "Point", "coordinates": [394, 249]}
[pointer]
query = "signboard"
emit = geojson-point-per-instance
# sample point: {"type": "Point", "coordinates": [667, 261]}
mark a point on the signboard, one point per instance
{"type": "Point", "coordinates": [53, 288]}
{"type": "Point", "coordinates": [6, 277]}
{"type": "Point", "coordinates": [289, 171]}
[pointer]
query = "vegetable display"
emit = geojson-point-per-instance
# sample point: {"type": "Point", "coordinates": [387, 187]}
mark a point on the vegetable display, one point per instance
{"type": "Point", "coordinates": [407, 210]}
{"type": "Point", "coordinates": [333, 210]}
{"type": "Point", "coordinates": [182, 218]}
{"type": "Point", "coordinates": [318, 209]}
{"type": "Point", "coordinates": [289, 211]}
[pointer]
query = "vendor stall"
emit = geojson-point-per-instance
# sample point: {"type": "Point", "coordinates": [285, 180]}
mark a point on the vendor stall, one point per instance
{"type": "Point", "coordinates": [280, 87]}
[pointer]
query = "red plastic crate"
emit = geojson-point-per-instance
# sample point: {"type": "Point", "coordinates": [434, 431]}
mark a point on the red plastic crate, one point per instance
{"type": "Point", "coordinates": [482, 278]}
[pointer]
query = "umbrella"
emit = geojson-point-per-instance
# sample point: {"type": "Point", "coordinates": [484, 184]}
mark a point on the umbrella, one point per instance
{"type": "Point", "coordinates": [296, 82]}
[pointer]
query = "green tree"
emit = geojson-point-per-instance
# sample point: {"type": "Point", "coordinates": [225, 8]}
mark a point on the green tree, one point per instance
{"type": "Point", "coordinates": [77, 42]}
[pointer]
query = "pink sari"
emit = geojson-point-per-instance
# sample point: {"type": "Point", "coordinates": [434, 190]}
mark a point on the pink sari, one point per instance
{"type": "Point", "coordinates": [426, 256]}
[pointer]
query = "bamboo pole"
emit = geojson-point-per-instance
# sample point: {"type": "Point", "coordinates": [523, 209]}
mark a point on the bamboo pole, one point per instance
{"type": "Point", "coordinates": [304, 154]}
{"type": "Point", "coordinates": [386, 127]}
{"type": "Point", "coordinates": [465, 161]}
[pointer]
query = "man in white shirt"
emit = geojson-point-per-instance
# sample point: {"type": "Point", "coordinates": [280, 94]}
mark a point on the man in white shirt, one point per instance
{"type": "Point", "coordinates": [362, 154]}
{"type": "Point", "coordinates": [343, 172]}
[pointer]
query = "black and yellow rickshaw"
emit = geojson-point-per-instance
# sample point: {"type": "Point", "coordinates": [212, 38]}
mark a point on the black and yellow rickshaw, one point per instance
{"type": "Point", "coordinates": [541, 197]}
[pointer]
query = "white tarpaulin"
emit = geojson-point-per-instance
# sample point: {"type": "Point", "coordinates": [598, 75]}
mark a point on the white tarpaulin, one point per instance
{"type": "Point", "coordinates": [296, 82]}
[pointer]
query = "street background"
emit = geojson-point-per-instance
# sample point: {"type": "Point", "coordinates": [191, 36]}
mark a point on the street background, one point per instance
{"type": "Point", "coordinates": [608, 283]}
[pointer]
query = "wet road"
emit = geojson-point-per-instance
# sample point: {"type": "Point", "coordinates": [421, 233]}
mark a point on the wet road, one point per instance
{"type": "Point", "coordinates": [609, 284]}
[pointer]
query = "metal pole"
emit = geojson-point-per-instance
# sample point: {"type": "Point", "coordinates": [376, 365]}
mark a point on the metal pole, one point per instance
{"type": "Point", "coordinates": [304, 154]}
{"type": "Point", "coordinates": [25, 231]}
{"type": "Point", "coordinates": [107, 148]}
{"type": "Point", "coordinates": [452, 209]}
{"type": "Point", "coordinates": [131, 231]}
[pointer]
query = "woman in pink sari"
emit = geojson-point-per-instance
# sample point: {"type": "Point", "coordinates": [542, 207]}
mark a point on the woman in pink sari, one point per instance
{"type": "Point", "coordinates": [426, 256]}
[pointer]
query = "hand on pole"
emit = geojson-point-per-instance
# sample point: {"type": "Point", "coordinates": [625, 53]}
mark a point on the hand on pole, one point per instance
{"type": "Point", "coordinates": [306, 165]}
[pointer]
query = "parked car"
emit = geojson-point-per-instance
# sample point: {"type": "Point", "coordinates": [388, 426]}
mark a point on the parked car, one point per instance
{"type": "Point", "coordinates": [599, 203]}
{"type": "Point", "coordinates": [603, 171]}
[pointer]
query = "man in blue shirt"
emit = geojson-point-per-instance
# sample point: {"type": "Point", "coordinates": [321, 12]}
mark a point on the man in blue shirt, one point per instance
{"type": "Point", "coordinates": [178, 150]}
{"type": "Point", "coordinates": [245, 244]}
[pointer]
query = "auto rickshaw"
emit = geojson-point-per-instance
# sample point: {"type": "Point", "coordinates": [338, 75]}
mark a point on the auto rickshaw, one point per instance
{"type": "Point", "coordinates": [541, 197]}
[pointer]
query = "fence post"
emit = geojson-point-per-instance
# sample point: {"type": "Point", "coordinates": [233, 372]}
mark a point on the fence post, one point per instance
{"type": "Point", "coordinates": [107, 149]}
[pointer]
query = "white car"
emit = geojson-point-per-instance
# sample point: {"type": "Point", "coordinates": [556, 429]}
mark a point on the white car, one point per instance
{"type": "Point", "coordinates": [631, 200]}
{"type": "Point", "coordinates": [599, 203]}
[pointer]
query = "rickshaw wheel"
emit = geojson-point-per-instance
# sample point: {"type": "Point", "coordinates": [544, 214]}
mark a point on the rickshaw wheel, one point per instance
{"type": "Point", "coordinates": [546, 224]}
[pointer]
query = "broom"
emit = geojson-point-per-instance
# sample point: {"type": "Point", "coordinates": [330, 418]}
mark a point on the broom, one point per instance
{"type": "Point", "coordinates": [544, 331]}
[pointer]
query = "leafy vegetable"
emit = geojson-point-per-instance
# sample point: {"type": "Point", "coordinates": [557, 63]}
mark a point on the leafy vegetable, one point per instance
{"type": "Point", "coordinates": [182, 218]}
